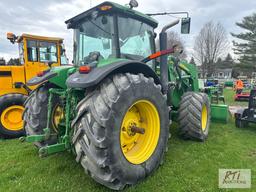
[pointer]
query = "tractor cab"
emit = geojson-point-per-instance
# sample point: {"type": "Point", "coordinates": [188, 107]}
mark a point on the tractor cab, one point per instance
{"type": "Point", "coordinates": [39, 49]}
{"type": "Point", "coordinates": [110, 31]}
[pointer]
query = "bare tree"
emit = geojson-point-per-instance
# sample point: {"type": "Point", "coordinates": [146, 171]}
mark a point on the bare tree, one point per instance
{"type": "Point", "coordinates": [210, 44]}
{"type": "Point", "coordinates": [173, 38]}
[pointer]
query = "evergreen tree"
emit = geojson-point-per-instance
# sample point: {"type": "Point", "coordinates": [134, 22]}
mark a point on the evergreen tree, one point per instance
{"type": "Point", "coordinates": [218, 63]}
{"type": "Point", "coordinates": [192, 61]}
{"type": "Point", "coordinates": [2, 61]}
{"type": "Point", "coordinates": [13, 61]}
{"type": "Point", "coordinates": [228, 62]}
{"type": "Point", "coordinates": [247, 48]}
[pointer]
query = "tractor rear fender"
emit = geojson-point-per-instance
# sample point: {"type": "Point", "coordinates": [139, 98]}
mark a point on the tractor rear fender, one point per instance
{"type": "Point", "coordinates": [96, 75]}
{"type": "Point", "coordinates": [41, 79]}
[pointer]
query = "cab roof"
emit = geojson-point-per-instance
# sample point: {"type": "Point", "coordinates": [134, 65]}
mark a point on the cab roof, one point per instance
{"type": "Point", "coordinates": [37, 37]}
{"type": "Point", "coordinates": [114, 8]}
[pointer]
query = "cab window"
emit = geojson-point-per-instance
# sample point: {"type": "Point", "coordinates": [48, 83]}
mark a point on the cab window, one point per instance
{"type": "Point", "coordinates": [32, 50]}
{"type": "Point", "coordinates": [63, 60]}
{"type": "Point", "coordinates": [136, 43]}
{"type": "Point", "coordinates": [48, 52]}
{"type": "Point", "coordinates": [21, 53]}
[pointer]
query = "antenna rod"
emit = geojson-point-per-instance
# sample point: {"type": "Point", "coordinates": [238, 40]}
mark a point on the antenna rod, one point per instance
{"type": "Point", "coordinates": [169, 13]}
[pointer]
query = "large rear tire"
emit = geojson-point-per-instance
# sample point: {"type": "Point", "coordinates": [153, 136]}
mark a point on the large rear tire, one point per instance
{"type": "Point", "coordinates": [11, 110]}
{"type": "Point", "coordinates": [194, 116]}
{"type": "Point", "coordinates": [35, 115]}
{"type": "Point", "coordinates": [110, 150]}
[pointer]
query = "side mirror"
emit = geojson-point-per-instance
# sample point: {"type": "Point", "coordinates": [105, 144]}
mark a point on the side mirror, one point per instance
{"type": "Point", "coordinates": [62, 51]}
{"type": "Point", "coordinates": [185, 25]}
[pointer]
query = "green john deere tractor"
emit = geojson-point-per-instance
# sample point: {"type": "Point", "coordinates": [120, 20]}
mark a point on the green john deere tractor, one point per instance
{"type": "Point", "coordinates": [113, 108]}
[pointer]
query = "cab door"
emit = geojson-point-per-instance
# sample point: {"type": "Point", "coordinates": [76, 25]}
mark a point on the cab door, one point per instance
{"type": "Point", "coordinates": [31, 58]}
{"type": "Point", "coordinates": [38, 55]}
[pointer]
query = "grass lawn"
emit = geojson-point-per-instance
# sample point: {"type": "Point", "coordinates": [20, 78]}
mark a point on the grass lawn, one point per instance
{"type": "Point", "coordinates": [189, 166]}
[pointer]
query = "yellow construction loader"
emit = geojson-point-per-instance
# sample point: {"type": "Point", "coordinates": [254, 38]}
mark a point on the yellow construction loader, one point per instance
{"type": "Point", "coordinates": [36, 54]}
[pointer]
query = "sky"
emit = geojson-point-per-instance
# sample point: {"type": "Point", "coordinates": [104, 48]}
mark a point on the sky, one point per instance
{"type": "Point", "coordinates": [47, 18]}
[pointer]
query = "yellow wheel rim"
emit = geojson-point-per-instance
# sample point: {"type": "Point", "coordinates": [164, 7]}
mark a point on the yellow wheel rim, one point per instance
{"type": "Point", "coordinates": [11, 118]}
{"type": "Point", "coordinates": [136, 146]}
{"type": "Point", "coordinates": [57, 116]}
{"type": "Point", "coordinates": [204, 117]}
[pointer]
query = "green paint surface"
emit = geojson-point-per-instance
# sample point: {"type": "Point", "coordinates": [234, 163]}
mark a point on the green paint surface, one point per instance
{"type": "Point", "coordinates": [104, 62]}
{"type": "Point", "coordinates": [62, 75]}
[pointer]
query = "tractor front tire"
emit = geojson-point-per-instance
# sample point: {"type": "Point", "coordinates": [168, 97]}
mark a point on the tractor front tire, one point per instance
{"type": "Point", "coordinates": [35, 115]}
{"type": "Point", "coordinates": [194, 116]}
{"type": "Point", "coordinates": [122, 130]}
{"type": "Point", "coordinates": [11, 109]}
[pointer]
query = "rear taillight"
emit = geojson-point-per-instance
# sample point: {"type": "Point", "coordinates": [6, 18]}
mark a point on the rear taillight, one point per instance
{"type": "Point", "coordinates": [84, 69]}
{"type": "Point", "coordinates": [42, 73]}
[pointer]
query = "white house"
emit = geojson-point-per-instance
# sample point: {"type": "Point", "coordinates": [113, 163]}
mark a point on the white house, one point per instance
{"type": "Point", "coordinates": [222, 73]}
